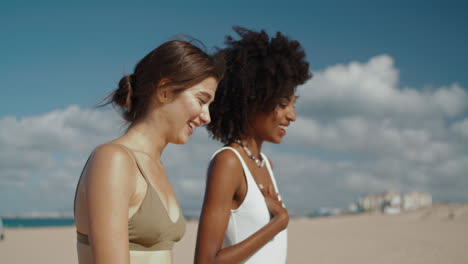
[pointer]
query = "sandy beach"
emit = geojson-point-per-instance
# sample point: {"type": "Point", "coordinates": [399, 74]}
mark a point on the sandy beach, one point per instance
{"type": "Point", "coordinates": [431, 235]}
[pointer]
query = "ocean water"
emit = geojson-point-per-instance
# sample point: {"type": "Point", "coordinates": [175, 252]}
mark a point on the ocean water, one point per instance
{"type": "Point", "coordinates": [37, 222]}
{"type": "Point", "coordinates": [24, 222]}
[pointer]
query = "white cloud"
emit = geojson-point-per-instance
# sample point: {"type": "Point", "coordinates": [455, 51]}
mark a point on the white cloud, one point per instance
{"type": "Point", "coordinates": [44, 154]}
{"type": "Point", "coordinates": [371, 89]}
{"type": "Point", "coordinates": [461, 128]}
{"type": "Point", "coordinates": [360, 181]}
{"type": "Point", "coordinates": [71, 129]}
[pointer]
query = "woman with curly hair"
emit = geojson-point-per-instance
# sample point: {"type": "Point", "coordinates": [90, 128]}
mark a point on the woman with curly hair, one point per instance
{"type": "Point", "coordinates": [243, 218]}
{"type": "Point", "coordinates": [126, 210]}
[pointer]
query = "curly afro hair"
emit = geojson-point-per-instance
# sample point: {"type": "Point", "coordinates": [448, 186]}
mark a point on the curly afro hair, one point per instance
{"type": "Point", "coordinates": [260, 71]}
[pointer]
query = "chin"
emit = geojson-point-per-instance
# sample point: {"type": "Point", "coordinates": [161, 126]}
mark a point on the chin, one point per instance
{"type": "Point", "coordinates": [275, 140]}
{"type": "Point", "coordinates": [180, 140]}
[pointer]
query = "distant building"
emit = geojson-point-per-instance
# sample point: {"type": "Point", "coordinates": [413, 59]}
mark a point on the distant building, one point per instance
{"type": "Point", "coordinates": [393, 202]}
{"type": "Point", "coordinates": [415, 200]}
{"type": "Point", "coordinates": [378, 202]}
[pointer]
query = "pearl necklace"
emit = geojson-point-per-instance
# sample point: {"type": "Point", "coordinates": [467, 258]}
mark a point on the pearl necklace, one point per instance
{"type": "Point", "coordinates": [258, 162]}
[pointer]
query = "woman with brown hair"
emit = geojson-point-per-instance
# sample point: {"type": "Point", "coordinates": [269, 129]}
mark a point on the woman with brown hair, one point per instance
{"type": "Point", "coordinates": [126, 210]}
{"type": "Point", "coordinates": [243, 218]}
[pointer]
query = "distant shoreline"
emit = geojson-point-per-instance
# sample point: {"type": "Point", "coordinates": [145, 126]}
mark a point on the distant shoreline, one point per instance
{"type": "Point", "coordinates": [51, 220]}
{"type": "Point", "coordinates": [28, 222]}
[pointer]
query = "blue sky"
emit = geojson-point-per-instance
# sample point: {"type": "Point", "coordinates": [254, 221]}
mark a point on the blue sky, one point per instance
{"type": "Point", "coordinates": [56, 53]}
{"type": "Point", "coordinates": [60, 59]}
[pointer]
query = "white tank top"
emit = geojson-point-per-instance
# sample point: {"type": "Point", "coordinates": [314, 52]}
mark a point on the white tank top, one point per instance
{"type": "Point", "coordinates": [252, 215]}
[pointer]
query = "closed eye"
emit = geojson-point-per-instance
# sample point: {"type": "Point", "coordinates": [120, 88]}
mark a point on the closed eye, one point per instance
{"type": "Point", "coordinates": [204, 97]}
{"type": "Point", "coordinates": [283, 103]}
{"type": "Point", "coordinates": [202, 101]}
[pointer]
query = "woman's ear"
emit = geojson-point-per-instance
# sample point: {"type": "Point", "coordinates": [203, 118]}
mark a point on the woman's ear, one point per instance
{"type": "Point", "coordinates": [163, 91]}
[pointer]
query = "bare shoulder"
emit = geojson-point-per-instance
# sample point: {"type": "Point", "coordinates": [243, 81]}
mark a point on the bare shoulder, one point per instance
{"type": "Point", "coordinates": [226, 161]}
{"type": "Point", "coordinates": [112, 153]}
{"type": "Point", "coordinates": [226, 158]}
{"type": "Point", "coordinates": [225, 166]}
{"type": "Point", "coordinates": [112, 162]}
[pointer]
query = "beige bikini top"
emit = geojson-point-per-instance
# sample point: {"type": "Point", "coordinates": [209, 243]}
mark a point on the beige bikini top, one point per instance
{"type": "Point", "coordinates": [150, 228]}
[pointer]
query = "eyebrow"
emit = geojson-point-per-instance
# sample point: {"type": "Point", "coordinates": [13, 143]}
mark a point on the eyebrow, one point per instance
{"type": "Point", "coordinates": [292, 98]}
{"type": "Point", "coordinates": [207, 95]}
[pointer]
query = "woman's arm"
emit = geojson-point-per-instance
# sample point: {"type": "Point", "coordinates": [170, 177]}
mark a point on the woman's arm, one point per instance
{"type": "Point", "coordinates": [224, 177]}
{"type": "Point", "coordinates": [109, 187]}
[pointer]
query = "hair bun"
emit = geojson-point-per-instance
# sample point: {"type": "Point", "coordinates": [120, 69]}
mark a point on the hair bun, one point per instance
{"type": "Point", "coordinates": [130, 81]}
{"type": "Point", "coordinates": [123, 94]}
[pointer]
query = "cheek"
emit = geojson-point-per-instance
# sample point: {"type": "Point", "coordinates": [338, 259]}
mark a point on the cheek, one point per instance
{"type": "Point", "coordinates": [273, 118]}
{"type": "Point", "coordinates": [189, 109]}
{"type": "Point", "coordinates": [277, 116]}
{"type": "Point", "coordinates": [269, 124]}
{"type": "Point", "coordinates": [194, 110]}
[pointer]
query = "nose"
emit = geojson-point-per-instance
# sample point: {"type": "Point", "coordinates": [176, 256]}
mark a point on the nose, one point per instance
{"type": "Point", "coordinates": [291, 114]}
{"type": "Point", "coordinates": [205, 117]}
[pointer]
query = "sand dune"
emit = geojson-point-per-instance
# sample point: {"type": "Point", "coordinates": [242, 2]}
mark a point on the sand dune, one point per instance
{"type": "Point", "coordinates": [431, 235]}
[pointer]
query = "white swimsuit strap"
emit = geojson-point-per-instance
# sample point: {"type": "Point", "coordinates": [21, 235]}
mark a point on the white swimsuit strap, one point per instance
{"type": "Point", "coordinates": [270, 171]}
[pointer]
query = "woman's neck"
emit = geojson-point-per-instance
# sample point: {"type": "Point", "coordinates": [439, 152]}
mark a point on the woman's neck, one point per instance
{"type": "Point", "coordinates": [147, 137]}
{"type": "Point", "coordinates": [254, 145]}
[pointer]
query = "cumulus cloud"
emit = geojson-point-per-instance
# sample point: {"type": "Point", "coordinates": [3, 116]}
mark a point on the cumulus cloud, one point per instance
{"type": "Point", "coordinates": [357, 132]}
{"type": "Point", "coordinates": [461, 128]}
{"type": "Point", "coordinates": [371, 89]}
{"type": "Point", "coordinates": [72, 130]}
{"type": "Point", "coordinates": [41, 156]}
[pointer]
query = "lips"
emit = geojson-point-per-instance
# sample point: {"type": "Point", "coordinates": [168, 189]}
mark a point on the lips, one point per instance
{"type": "Point", "coordinates": [192, 126]}
{"type": "Point", "coordinates": [283, 130]}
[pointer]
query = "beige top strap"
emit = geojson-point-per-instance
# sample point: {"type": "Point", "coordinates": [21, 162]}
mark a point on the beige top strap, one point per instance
{"type": "Point", "coordinates": [133, 155]}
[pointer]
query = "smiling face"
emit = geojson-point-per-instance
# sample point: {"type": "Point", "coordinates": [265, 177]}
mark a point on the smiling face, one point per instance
{"type": "Point", "coordinates": [272, 126]}
{"type": "Point", "coordinates": [189, 110]}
